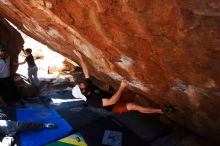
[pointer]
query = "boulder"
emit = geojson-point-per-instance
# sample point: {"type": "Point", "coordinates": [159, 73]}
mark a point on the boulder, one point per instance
{"type": "Point", "coordinates": [168, 50]}
{"type": "Point", "coordinates": [12, 40]}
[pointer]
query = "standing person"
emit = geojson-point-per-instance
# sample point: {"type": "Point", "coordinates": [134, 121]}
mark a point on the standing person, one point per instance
{"type": "Point", "coordinates": [7, 86]}
{"type": "Point", "coordinates": [32, 67]}
{"type": "Point", "coordinates": [122, 102]}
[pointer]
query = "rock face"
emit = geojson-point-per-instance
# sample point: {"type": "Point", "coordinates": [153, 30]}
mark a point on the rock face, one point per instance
{"type": "Point", "coordinates": [11, 39]}
{"type": "Point", "coordinates": [169, 50]}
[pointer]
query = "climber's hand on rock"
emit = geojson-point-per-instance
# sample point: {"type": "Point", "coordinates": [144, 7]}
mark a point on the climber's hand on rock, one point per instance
{"type": "Point", "coordinates": [124, 83]}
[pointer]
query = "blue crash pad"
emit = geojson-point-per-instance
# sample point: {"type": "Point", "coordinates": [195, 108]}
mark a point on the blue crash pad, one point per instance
{"type": "Point", "coordinates": [44, 136]}
{"type": "Point", "coordinates": [37, 115]}
{"type": "Point", "coordinates": [41, 137]}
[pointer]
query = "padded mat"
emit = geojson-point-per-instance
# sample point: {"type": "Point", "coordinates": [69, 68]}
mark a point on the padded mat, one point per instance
{"type": "Point", "coordinates": [147, 126]}
{"type": "Point", "coordinates": [43, 136]}
{"type": "Point", "coordinates": [38, 115]}
{"type": "Point", "coordinates": [94, 134]}
{"type": "Point", "coordinates": [72, 140]}
{"type": "Point", "coordinates": [65, 95]}
{"type": "Point", "coordinates": [79, 117]}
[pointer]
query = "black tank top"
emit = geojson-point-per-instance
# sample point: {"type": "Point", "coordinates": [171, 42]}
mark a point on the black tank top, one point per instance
{"type": "Point", "coordinates": [30, 61]}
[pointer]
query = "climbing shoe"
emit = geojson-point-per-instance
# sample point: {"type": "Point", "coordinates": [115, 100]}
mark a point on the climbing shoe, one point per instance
{"type": "Point", "coordinates": [50, 125]}
{"type": "Point", "coordinates": [167, 109]}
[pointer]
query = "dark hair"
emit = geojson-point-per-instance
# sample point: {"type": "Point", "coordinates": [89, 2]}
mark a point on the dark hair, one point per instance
{"type": "Point", "coordinates": [28, 50]}
{"type": "Point", "coordinates": [79, 78]}
{"type": "Point", "coordinates": [86, 91]}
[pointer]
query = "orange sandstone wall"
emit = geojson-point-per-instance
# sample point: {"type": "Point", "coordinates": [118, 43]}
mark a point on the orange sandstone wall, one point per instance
{"type": "Point", "coordinates": [11, 39]}
{"type": "Point", "coordinates": [169, 50]}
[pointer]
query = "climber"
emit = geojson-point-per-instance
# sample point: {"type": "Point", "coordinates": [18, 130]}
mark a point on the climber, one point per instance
{"type": "Point", "coordinates": [122, 102]}
{"type": "Point", "coordinates": [32, 68]}
{"type": "Point", "coordinates": [7, 86]}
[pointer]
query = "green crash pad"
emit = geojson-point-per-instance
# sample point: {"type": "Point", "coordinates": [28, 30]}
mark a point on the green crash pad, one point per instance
{"type": "Point", "coordinates": [72, 140]}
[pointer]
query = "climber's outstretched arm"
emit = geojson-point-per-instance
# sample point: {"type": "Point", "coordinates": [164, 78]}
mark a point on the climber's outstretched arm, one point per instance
{"type": "Point", "coordinates": [83, 65]}
{"type": "Point", "coordinates": [116, 96]}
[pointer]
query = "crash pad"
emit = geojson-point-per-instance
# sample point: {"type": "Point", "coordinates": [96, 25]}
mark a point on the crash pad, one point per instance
{"type": "Point", "coordinates": [79, 117]}
{"type": "Point", "coordinates": [147, 126]}
{"type": "Point", "coordinates": [72, 140]}
{"type": "Point", "coordinates": [43, 136]}
{"type": "Point", "coordinates": [38, 115]}
{"type": "Point", "coordinates": [99, 133]}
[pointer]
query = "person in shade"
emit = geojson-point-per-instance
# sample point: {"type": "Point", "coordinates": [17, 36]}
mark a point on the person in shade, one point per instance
{"type": "Point", "coordinates": [10, 128]}
{"type": "Point", "coordinates": [120, 100]}
{"type": "Point", "coordinates": [32, 68]}
{"type": "Point", "coordinates": [8, 92]}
